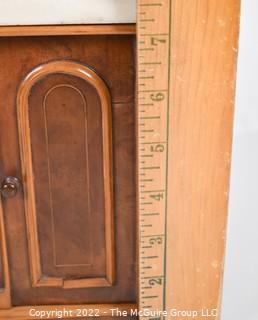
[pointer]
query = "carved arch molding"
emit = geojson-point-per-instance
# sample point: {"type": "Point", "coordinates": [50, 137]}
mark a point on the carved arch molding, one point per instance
{"type": "Point", "coordinates": [64, 119]}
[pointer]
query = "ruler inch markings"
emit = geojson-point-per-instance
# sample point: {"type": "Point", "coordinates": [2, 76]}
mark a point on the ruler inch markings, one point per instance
{"type": "Point", "coordinates": [150, 4]}
{"type": "Point", "coordinates": [153, 53]}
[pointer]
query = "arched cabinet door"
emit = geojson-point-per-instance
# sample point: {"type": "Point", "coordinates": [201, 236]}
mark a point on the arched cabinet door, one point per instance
{"type": "Point", "coordinates": [64, 120]}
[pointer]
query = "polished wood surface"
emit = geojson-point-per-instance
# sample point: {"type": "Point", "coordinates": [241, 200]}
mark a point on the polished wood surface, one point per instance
{"type": "Point", "coordinates": [112, 59]}
{"type": "Point", "coordinates": [19, 31]}
{"type": "Point", "coordinates": [5, 290]}
{"type": "Point", "coordinates": [64, 116]}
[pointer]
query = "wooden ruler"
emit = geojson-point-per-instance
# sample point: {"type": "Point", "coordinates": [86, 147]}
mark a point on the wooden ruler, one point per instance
{"type": "Point", "coordinates": [153, 129]}
{"type": "Point", "coordinates": [185, 92]}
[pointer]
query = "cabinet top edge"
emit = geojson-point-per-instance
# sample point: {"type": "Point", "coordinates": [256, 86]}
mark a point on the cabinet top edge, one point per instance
{"type": "Point", "coordinates": [59, 30]}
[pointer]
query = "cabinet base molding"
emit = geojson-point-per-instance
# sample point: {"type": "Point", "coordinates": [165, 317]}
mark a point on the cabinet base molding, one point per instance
{"type": "Point", "coordinates": [72, 311]}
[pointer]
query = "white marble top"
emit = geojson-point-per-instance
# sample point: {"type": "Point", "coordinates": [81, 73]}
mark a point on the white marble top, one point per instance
{"type": "Point", "coordinates": [39, 12]}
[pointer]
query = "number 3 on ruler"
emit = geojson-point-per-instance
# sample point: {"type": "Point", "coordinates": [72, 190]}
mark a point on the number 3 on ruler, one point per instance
{"type": "Point", "coordinates": [155, 41]}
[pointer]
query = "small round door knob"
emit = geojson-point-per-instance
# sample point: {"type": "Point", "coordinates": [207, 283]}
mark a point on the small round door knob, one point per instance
{"type": "Point", "coordinates": [10, 186]}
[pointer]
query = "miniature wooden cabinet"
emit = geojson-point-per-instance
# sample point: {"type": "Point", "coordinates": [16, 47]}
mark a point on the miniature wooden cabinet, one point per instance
{"type": "Point", "coordinates": [67, 150]}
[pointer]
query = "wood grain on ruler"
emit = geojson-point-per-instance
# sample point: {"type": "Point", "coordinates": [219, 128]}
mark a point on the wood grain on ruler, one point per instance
{"type": "Point", "coordinates": [202, 85]}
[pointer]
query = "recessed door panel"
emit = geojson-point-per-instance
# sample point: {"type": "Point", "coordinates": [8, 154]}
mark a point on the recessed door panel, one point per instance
{"type": "Point", "coordinates": [64, 115]}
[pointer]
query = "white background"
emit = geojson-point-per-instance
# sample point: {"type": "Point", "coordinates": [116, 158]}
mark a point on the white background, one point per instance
{"type": "Point", "coordinates": [15, 12]}
{"type": "Point", "coordinates": [240, 297]}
